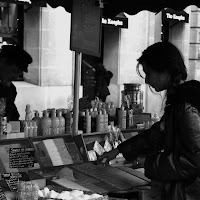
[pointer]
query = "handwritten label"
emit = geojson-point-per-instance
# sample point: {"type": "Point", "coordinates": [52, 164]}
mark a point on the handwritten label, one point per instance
{"type": "Point", "coordinates": [2, 194]}
{"type": "Point", "coordinates": [21, 157]}
{"type": "Point", "coordinates": [12, 179]}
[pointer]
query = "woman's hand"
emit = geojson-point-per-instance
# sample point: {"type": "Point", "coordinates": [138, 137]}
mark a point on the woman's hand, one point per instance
{"type": "Point", "coordinates": [107, 156]}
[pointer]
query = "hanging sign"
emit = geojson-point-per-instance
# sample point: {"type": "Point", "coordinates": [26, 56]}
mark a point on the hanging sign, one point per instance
{"type": "Point", "coordinates": [120, 21]}
{"type": "Point", "coordinates": [12, 179]}
{"type": "Point", "coordinates": [86, 27]}
{"type": "Point", "coordinates": [2, 194]}
{"type": "Point", "coordinates": [172, 15]}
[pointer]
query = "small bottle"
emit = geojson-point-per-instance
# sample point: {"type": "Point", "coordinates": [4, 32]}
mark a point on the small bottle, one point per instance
{"type": "Point", "coordinates": [26, 129]}
{"type": "Point", "coordinates": [35, 129]}
{"type": "Point", "coordinates": [129, 119]}
{"type": "Point", "coordinates": [28, 115]}
{"type": "Point", "coordinates": [30, 129]}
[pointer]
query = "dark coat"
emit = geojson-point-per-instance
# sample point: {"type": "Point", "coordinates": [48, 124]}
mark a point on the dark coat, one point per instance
{"type": "Point", "coordinates": [172, 146]}
{"type": "Point", "coordinates": [10, 93]}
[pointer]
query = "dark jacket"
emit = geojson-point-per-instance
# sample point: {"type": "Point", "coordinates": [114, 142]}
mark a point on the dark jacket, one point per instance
{"type": "Point", "coordinates": [172, 146]}
{"type": "Point", "coordinates": [10, 93]}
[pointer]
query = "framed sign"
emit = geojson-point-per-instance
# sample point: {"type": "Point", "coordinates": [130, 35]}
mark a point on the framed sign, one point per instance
{"type": "Point", "coordinates": [21, 157]}
{"type": "Point", "coordinates": [86, 27]}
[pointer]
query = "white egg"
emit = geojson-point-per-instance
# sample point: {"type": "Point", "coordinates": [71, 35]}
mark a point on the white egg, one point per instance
{"type": "Point", "coordinates": [53, 194]}
{"type": "Point", "coordinates": [86, 196]}
{"type": "Point", "coordinates": [46, 192]}
{"type": "Point", "coordinates": [66, 192]}
{"type": "Point", "coordinates": [64, 196]}
{"type": "Point", "coordinates": [76, 193]}
{"type": "Point", "coordinates": [95, 196]}
{"type": "Point", "coordinates": [40, 193]}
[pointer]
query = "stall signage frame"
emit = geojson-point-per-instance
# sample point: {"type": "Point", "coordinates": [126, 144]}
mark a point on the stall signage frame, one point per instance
{"type": "Point", "coordinates": [169, 14]}
{"type": "Point", "coordinates": [86, 27]}
{"type": "Point", "coordinates": [118, 21]}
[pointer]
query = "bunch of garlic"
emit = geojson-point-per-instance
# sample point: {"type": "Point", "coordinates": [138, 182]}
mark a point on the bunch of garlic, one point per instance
{"type": "Point", "coordinates": [67, 195]}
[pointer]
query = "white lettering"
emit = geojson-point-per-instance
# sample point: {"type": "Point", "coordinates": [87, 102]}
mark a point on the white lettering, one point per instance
{"type": "Point", "coordinates": [180, 18]}
{"type": "Point", "coordinates": [27, 1]}
{"type": "Point", "coordinates": [174, 16]}
{"type": "Point", "coordinates": [104, 21]}
{"type": "Point", "coordinates": [115, 23]}
{"type": "Point", "coordinates": [169, 16]}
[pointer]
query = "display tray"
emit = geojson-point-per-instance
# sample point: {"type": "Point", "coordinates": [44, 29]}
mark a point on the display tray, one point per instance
{"type": "Point", "coordinates": [17, 155]}
{"type": "Point", "coordinates": [70, 169]}
{"type": "Point", "coordinates": [56, 150]}
{"type": "Point", "coordinates": [45, 183]}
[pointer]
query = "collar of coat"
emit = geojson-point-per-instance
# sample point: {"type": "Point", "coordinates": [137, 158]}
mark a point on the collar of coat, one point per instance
{"type": "Point", "coordinates": [188, 92]}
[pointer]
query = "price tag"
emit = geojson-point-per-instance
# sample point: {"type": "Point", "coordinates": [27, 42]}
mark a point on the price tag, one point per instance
{"type": "Point", "coordinates": [12, 179]}
{"type": "Point", "coordinates": [21, 157]}
{"type": "Point", "coordinates": [2, 194]}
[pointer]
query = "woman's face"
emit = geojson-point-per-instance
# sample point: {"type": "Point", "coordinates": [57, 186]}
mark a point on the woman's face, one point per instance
{"type": "Point", "coordinates": [158, 80]}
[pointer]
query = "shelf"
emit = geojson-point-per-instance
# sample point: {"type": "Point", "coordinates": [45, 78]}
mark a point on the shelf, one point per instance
{"type": "Point", "coordinates": [103, 133]}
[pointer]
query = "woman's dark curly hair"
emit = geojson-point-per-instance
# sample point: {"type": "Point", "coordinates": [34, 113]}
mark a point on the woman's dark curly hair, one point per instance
{"type": "Point", "coordinates": [164, 56]}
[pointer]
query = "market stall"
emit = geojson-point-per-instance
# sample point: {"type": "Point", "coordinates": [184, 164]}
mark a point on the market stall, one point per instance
{"type": "Point", "coordinates": [49, 166]}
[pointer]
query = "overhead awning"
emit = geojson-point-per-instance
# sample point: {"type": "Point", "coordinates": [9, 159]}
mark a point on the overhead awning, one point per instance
{"type": "Point", "coordinates": [169, 14]}
{"type": "Point", "coordinates": [120, 21]}
{"type": "Point", "coordinates": [26, 2]}
{"type": "Point", "coordinates": [114, 7]}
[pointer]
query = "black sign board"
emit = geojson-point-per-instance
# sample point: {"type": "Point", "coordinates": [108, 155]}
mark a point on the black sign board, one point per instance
{"type": "Point", "coordinates": [171, 15]}
{"type": "Point", "coordinates": [2, 194]}
{"type": "Point", "coordinates": [86, 27]}
{"type": "Point", "coordinates": [21, 157]}
{"type": "Point", "coordinates": [12, 179]}
{"type": "Point", "coordinates": [120, 21]}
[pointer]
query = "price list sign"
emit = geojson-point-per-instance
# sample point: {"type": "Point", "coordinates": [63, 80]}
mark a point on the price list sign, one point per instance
{"type": "Point", "coordinates": [21, 157]}
{"type": "Point", "coordinates": [2, 194]}
{"type": "Point", "coordinates": [12, 179]}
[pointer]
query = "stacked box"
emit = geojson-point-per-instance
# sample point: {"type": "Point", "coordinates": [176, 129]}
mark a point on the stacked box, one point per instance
{"type": "Point", "coordinates": [53, 152]}
{"type": "Point", "coordinates": [44, 155]}
{"type": "Point", "coordinates": [62, 149]}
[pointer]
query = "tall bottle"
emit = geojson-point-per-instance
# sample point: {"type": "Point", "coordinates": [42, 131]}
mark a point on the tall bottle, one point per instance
{"type": "Point", "coordinates": [105, 120]}
{"type": "Point", "coordinates": [37, 119]}
{"type": "Point", "coordinates": [45, 124]}
{"type": "Point", "coordinates": [68, 121]}
{"type": "Point", "coordinates": [61, 122]}
{"type": "Point", "coordinates": [28, 113]}
{"type": "Point", "coordinates": [54, 122]}
{"type": "Point", "coordinates": [122, 118]}
{"type": "Point", "coordinates": [88, 122]}
{"type": "Point", "coordinates": [100, 122]}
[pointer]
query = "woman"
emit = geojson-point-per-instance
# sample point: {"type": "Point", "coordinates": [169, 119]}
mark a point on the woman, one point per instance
{"type": "Point", "coordinates": [14, 60]}
{"type": "Point", "coordinates": [172, 145]}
